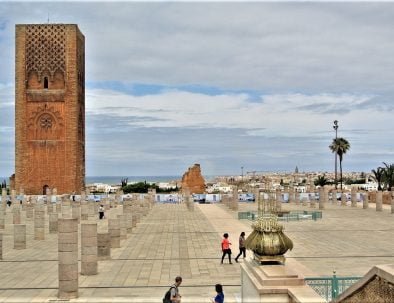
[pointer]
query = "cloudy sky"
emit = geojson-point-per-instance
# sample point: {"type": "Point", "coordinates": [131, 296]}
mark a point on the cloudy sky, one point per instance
{"type": "Point", "coordinates": [222, 84]}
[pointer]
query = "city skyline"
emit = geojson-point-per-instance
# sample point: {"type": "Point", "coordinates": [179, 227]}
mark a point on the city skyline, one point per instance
{"type": "Point", "coordinates": [224, 85]}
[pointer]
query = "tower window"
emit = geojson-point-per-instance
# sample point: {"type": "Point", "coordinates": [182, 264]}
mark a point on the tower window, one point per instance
{"type": "Point", "coordinates": [46, 83]}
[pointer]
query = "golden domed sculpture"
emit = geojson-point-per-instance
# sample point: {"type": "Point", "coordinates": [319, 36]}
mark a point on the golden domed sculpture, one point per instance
{"type": "Point", "coordinates": [268, 241]}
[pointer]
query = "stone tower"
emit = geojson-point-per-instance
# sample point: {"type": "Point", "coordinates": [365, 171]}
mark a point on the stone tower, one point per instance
{"type": "Point", "coordinates": [49, 108]}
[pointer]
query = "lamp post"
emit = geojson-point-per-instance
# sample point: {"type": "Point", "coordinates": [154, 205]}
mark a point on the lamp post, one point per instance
{"type": "Point", "coordinates": [335, 126]}
{"type": "Point", "coordinates": [242, 174]}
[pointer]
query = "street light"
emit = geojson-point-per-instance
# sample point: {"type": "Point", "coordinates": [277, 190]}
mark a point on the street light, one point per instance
{"type": "Point", "coordinates": [242, 174]}
{"type": "Point", "coordinates": [335, 126]}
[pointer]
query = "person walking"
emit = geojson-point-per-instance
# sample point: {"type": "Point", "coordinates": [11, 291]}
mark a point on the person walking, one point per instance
{"type": "Point", "coordinates": [220, 296]}
{"type": "Point", "coordinates": [242, 248]}
{"type": "Point", "coordinates": [101, 212]}
{"type": "Point", "coordinates": [226, 248]}
{"type": "Point", "coordinates": [172, 295]}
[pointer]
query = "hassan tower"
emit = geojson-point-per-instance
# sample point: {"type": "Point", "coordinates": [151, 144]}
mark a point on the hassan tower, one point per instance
{"type": "Point", "coordinates": [49, 108]}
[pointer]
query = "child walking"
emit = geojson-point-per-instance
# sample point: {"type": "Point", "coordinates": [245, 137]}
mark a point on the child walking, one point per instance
{"type": "Point", "coordinates": [226, 248]}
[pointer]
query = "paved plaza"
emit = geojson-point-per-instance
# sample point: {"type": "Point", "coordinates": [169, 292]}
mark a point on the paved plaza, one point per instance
{"type": "Point", "coordinates": [172, 240]}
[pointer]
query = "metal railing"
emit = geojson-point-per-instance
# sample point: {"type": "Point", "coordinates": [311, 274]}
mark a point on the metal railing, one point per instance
{"type": "Point", "coordinates": [331, 287]}
{"type": "Point", "coordinates": [291, 216]}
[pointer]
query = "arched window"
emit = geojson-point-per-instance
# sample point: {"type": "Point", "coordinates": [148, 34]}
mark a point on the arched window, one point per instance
{"type": "Point", "coordinates": [46, 82]}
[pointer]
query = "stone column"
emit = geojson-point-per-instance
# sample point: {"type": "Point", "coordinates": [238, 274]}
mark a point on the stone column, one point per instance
{"type": "Point", "coordinates": [103, 246]}
{"type": "Point", "coordinates": [3, 194]}
{"type": "Point", "coordinates": [84, 211]}
{"type": "Point", "coordinates": [365, 200]}
{"type": "Point", "coordinates": [392, 200]}
{"type": "Point", "coordinates": [16, 215]}
{"type": "Point", "coordinates": [59, 207]}
{"type": "Point", "coordinates": [234, 201]}
{"type": "Point", "coordinates": [53, 223]}
{"type": "Point", "coordinates": [334, 197]}
{"type": "Point", "coordinates": [256, 194]}
{"type": "Point", "coordinates": [278, 200]}
{"type": "Point", "coordinates": [83, 196]}
{"type": "Point", "coordinates": [297, 198]}
{"type": "Point", "coordinates": [76, 211]}
{"type": "Point", "coordinates": [29, 211]}
{"type": "Point", "coordinates": [304, 201]}
{"type": "Point", "coordinates": [13, 196]}
{"type": "Point", "coordinates": [326, 194]}
{"type": "Point", "coordinates": [114, 231]}
{"type": "Point", "coordinates": [379, 200]}
{"type": "Point", "coordinates": [2, 218]}
{"type": "Point", "coordinates": [1, 246]}
{"type": "Point", "coordinates": [312, 203]}
{"type": "Point", "coordinates": [127, 212]}
{"type": "Point", "coordinates": [89, 249]}
{"type": "Point", "coordinates": [19, 236]}
{"type": "Point", "coordinates": [123, 226]}
{"type": "Point", "coordinates": [134, 216]}
{"type": "Point", "coordinates": [343, 199]}
{"type": "Point", "coordinates": [39, 222]}
{"type": "Point", "coordinates": [354, 197]}
{"type": "Point", "coordinates": [68, 259]}
{"type": "Point", "coordinates": [372, 197]}
{"type": "Point", "coordinates": [291, 196]}
{"type": "Point", "coordinates": [322, 198]}
{"type": "Point", "coordinates": [91, 211]}
{"type": "Point", "coordinates": [49, 208]}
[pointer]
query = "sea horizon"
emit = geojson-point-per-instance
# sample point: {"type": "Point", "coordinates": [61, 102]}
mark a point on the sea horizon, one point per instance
{"type": "Point", "coordinates": [113, 180]}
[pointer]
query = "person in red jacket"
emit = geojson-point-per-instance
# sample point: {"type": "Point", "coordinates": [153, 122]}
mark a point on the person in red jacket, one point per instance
{"type": "Point", "coordinates": [226, 248]}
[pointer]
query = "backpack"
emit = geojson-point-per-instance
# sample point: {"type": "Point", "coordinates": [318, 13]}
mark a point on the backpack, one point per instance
{"type": "Point", "coordinates": [167, 296]}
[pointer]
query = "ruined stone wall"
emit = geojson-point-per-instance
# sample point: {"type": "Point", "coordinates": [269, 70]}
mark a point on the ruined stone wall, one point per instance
{"type": "Point", "coordinates": [193, 181]}
{"type": "Point", "coordinates": [50, 106]}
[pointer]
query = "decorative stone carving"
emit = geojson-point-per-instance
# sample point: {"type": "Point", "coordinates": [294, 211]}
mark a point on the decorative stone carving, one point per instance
{"type": "Point", "coordinates": [45, 49]}
{"type": "Point", "coordinates": [377, 290]}
{"type": "Point", "coordinates": [45, 118]}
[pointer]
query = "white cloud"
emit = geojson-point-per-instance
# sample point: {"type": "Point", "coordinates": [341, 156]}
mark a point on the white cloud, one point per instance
{"type": "Point", "coordinates": [290, 114]}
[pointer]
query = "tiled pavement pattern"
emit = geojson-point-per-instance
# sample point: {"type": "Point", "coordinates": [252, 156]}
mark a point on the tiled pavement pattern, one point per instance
{"type": "Point", "coordinates": [347, 240]}
{"type": "Point", "coordinates": [171, 240]}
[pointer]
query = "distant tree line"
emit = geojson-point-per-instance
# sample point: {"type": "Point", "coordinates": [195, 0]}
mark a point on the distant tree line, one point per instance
{"type": "Point", "coordinates": [143, 187]}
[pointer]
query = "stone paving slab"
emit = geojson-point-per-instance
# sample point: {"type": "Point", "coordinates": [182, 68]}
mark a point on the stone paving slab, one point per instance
{"type": "Point", "coordinates": [172, 240]}
{"type": "Point", "coordinates": [169, 241]}
{"type": "Point", "coordinates": [348, 240]}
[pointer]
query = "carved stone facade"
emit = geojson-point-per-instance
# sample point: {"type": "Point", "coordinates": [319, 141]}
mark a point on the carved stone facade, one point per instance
{"type": "Point", "coordinates": [377, 290]}
{"type": "Point", "coordinates": [193, 181]}
{"type": "Point", "coordinates": [50, 108]}
{"type": "Point", "coordinates": [377, 286]}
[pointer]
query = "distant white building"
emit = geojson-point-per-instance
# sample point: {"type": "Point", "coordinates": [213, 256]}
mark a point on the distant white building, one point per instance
{"type": "Point", "coordinates": [166, 185]}
{"type": "Point", "coordinates": [219, 187]}
{"type": "Point", "coordinates": [370, 186]}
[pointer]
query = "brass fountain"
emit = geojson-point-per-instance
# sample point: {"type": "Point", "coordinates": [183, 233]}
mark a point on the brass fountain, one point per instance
{"type": "Point", "coordinates": [268, 241]}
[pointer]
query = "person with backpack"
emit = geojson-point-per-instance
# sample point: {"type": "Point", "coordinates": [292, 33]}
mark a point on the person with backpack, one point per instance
{"type": "Point", "coordinates": [226, 248]}
{"type": "Point", "coordinates": [172, 295]}
{"type": "Point", "coordinates": [242, 249]}
{"type": "Point", "coordinates": [220, 296]}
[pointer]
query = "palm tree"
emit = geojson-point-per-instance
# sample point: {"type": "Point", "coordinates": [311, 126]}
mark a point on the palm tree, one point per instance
{"type": "Point", "coordinates": [388, 175]}
{"type": "Point", "coordinates": [321, 181]}
{"type": "Point", "coordinates": [340, 146]}
{"type": "Point", "coordinates": [378, 176]}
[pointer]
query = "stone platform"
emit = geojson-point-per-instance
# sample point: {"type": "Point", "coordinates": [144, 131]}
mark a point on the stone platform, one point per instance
{"type": "Point", "coordinates": [172, 240]}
